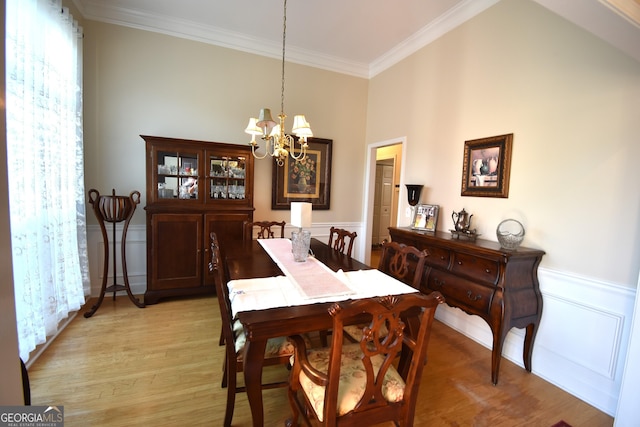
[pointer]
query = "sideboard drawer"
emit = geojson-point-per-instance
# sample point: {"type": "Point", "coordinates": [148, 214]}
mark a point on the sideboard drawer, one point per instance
{"type": "Point", "coordinates": [438, 257]}
{"type": "Point", "coordinates": [460, 292]}
{"type": "Point", "coordinates": [475, 268]}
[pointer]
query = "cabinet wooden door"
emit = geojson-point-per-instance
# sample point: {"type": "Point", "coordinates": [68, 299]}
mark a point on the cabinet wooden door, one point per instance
{"type": "Point", "coordinates": [176, 251]}
{"type": "Point", "coordinates": [228, 227]}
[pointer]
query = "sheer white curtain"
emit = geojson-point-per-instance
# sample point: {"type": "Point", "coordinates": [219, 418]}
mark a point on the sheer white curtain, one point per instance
{"type": "Point", "coordinates": [45, 166]}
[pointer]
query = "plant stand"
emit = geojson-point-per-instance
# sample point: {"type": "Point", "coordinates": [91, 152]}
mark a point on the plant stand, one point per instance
{"type": "Point", "coordinates": [114, 209]}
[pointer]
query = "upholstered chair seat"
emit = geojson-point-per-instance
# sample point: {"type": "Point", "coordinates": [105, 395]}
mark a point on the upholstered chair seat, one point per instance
{"type": "Point", "coordinates": [353, 379]}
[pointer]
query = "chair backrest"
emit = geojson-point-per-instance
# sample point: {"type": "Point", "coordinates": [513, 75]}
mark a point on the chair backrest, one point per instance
{"type": "Point", "coordinates": [408, 319]}
{"type": "Point", "coordinates": [266, 229]}
{"type": "Point", "coordinates": [405, 263]}
{"type": "Point", "coordinates": [222, 291]}
{"type": "Point", "coordinates": [341, 239]}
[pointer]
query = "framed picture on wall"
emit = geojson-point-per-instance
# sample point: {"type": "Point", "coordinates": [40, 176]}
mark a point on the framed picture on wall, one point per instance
{"type": "Point", "coordinates": [486, 166]}
{"type": "Point", "coordinates": [307, 180]}
{"type": "Point", "coordinates": [425, 218]}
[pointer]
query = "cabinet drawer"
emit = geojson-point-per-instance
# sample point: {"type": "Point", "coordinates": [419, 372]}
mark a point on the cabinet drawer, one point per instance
{"type": "Point", "coordinates": [460, 292]}
{"type": "Point", "coordinates": [475, 268]}
{"type": "Point", "coordinates": [438, 257]}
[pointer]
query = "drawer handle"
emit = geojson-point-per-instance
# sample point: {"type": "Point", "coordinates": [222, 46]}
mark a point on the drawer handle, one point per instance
{"type": "Point", "coordinates": [459, 262]}
{"type": "Point", "coordinates": [472, 297]}
{"type": "Point", "coordinates": [438, 283]}
{"type": "Point", "coordinates": [487, 271]}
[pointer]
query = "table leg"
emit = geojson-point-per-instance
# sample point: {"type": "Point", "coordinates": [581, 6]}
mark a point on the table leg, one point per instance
{"type": "Point", "coordinates": [253, 359]}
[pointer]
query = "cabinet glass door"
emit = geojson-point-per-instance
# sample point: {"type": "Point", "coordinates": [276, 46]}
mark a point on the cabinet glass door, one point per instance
{"type": "Point", "coordinates": [227, 177]}
{"type": "Point", "coordinates": [177, 175]}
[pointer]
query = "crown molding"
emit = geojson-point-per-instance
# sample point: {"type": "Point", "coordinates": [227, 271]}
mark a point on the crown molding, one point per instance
{"type": "Point", "coordinates": [439, 27]}
{"type": "Point", "coordinates": [105, 12]}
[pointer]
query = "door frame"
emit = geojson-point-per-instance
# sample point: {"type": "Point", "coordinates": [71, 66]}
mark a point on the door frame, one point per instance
{"type": "Point", "coordinates": [370, 184]}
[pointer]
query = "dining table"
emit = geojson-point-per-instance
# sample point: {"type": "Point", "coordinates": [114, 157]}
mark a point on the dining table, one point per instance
{"type": "Point", "coordinates": [247, 262]}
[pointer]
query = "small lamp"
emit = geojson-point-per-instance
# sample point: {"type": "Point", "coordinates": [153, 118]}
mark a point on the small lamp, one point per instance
{"type": "Point", "coordinates": [301, 239]}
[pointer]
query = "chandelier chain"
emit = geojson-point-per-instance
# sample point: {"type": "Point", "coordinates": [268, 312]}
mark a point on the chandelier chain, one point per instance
{"type": "Point", "coordinates": [284, 36]}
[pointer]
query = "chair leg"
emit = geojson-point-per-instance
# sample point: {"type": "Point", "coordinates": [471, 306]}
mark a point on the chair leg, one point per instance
{"type": "Point", "coordinates": [323, 338]}
{"type": "Point", "coordinates": [293, 403]}
{"type": "Point", "coordinates": [231, 398]}
{"type": "Point", "coordinates": [221, 341]}
{"type": "Point", "coordinates": [224, 372]}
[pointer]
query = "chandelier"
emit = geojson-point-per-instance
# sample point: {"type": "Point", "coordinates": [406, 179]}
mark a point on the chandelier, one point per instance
{"type": "Point", "coordinates": [278, 144]}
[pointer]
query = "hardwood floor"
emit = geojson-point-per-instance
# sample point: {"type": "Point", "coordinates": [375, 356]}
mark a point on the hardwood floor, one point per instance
{"type": "Point", "coordinates": [161, 366]}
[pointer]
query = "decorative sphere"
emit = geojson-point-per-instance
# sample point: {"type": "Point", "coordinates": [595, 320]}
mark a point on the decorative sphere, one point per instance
{"type": "Point", "coordinates": [510, 234]}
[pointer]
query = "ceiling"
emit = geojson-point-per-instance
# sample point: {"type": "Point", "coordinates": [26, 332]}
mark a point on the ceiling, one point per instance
{"type": "Point", "coordinates": [363, 39]}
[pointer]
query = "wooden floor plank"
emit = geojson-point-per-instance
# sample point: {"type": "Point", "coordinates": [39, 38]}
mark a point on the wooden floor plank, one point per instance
{"type": "Point", "coordinates": [161, 366]}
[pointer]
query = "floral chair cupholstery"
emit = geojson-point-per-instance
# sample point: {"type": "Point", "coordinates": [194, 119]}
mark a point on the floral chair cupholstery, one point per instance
{"type": "Point", "coordinates": [357, 384]}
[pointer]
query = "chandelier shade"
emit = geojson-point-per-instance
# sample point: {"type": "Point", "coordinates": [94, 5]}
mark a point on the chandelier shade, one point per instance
{"type": "Point", "coordinates": [265, 120]}
{"type": "Point", "coordinates": [278, 144]}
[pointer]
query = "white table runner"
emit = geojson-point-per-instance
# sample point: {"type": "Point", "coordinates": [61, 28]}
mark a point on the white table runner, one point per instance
{"type": "Point", "coordinates": [313, 278]}
{"type": "Point", "coordinates": [280, 291]}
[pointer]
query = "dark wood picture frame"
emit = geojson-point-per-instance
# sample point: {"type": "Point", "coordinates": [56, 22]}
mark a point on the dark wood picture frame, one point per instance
{"type": "Point", "coordinates": [486, 166]}
{"type": "Point", "coordinates": [306, 181]}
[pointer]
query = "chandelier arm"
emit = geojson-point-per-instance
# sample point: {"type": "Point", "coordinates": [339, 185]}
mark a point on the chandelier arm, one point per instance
{"type": "Point", "coordinates": [253, 151]}
{"type": "Point", "coordinates": [301, 154]}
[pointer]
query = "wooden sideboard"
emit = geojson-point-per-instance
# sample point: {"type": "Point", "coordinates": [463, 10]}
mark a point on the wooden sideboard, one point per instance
{"type": "Point", "coordinates": [481, 278]}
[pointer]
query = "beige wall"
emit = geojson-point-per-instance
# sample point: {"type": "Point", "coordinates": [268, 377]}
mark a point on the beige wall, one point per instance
{"type": "Point", "coordinates": [570, 99]}
{"type": "Point", "coordinates": [139, 82]}
{"type": "Point", "coordinates": [572, 103]}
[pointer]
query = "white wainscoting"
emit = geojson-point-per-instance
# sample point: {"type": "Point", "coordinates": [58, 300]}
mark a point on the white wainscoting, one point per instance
{"type": "Point", "coordinates": [136, 252]}
{"type": "Point", "coordinates": [582, 339]}
{"type": "Point", "coordinates": [580, 346]}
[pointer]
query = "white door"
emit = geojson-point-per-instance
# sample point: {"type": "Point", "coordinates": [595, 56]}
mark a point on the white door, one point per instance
{"type": "Point", "coordinates": [383, 203]}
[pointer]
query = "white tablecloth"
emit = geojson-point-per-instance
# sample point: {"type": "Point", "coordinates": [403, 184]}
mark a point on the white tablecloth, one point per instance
{"type": "Point", "coordinates": [280, 291]}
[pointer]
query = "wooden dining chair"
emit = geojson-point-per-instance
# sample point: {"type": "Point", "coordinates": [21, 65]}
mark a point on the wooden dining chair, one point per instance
{"type": "Point", "coordinates": [266, 229]}
{"type": "Point", "coordinates": [341, 239]}
{"type": "Point", "coordinates": [403, 262]}
{"type": "Point", "coordinates": [278, 350]}
{"type": "Point", "coordinates": [358, 384]}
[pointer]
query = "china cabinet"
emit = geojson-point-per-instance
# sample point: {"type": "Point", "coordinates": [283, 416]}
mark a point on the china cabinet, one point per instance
{"type": "Point", "coordinates": [193, 188]}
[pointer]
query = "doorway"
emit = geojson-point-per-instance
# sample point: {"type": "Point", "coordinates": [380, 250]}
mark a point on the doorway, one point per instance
{"type": "Point", "coordinates": [384, 173]}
